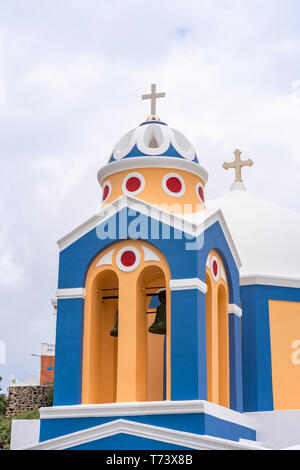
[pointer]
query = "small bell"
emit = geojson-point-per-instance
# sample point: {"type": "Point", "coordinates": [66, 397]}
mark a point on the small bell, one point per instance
{"type": "Point", "coordinates": [114, 331]}
{"type": "Point", "coordinates": [159, 325]}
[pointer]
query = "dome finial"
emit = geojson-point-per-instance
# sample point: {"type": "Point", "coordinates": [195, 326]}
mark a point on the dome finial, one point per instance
{"type": "Point", "coordinates": [153, 97]}
{"type": "Point", "coordinates": [238, 164]}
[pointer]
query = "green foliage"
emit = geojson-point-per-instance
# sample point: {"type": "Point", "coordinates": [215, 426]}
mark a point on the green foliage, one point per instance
{"type": "Point", "coordinates": [5, 430]}
{"type": "Point", "coordinates": [28, 414]}
{"type": "Point", "coordinates": [2, 405]}
{"type": "Point", "coordinates": [5, 426]}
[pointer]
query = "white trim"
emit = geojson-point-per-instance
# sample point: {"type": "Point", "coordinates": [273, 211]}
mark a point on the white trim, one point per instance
{"type": "Point", "coordinates": [146, 408]}
{"type": "Point", "coordinates": [119, 263]}
{"type": "Point", "coordinates": [149, 255]}
{"type": "Point", "coordinates": [152, 162]}
{"type": "Point", "coordinates": [76, 293]}
{"type": "Point", "coordinates": [167, 190]}
{"type": "Point", "coordinates": [133, 175]}
{"type": "Point", "coordinates": [206, 219]}
{"type": "Point", "coordinates": [106, 260]}
{"type": "Point", "coordinates": [145, 431]}
{"type": "Point", "coordinates": [188, 284]}
{"type": "Point", "coordinates": [232, 308]}
{"type": "Point", "coordinates": [265, 280]}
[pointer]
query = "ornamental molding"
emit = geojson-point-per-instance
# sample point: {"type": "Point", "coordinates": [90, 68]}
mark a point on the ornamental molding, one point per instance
{"type": "Point", "coordinates": [145, 431]}
{"type": "Point", "coordinates": [135, 163]}
{"type": "Point", "coordinates": [265, 280]}
{"type": "Point", "coordinates": [75, 293]}
{"type": "Point", "coordinates": [146, 408]}
{"type": "Point", "coordinates": [234, 309]}
{"type": "Point", "coordinates": [194, 224]}
{"type": "Point", "coordinates": [188, 284]}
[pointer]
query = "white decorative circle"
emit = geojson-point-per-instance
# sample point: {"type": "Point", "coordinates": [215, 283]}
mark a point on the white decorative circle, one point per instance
{"type": "Point", "coordinates": [128, 267]}
{"type": "Point", "coordinates": [200, 185]}
{"type": "Point", "coordinates": [137, 191]}
{"type": "Point", "coordinates": [170, 192]}
{"type": "Point", "coordinates": [106, 184]}
{"type": "Point", "coordinates": [215, 272]}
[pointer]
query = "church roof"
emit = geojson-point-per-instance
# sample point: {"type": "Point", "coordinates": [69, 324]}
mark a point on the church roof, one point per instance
{"type": "Point", "coordinates": [153, 138]}
{"type": "Point", "coordinates": [267, 236]}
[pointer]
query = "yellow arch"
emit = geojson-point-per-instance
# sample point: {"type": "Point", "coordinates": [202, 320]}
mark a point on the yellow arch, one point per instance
{"type": "Point", "coordinates": [126, 363]}
{"type": "Point", "coordinates": [217, 334]}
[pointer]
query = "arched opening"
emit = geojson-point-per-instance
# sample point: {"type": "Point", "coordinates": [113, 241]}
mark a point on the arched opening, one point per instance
{"type": "Point", "coordinates": [100, 373]}
{"type": "Point", "coordinates": [134, 364]}
{"type": "Point", "coordinates": [209, 338]}
{"type": "Point", "coordinates": [217, 334]}
{"type": "Point", "coordinates": [152, 281]}
{"type": "Point", "coordinates": [223, 346]}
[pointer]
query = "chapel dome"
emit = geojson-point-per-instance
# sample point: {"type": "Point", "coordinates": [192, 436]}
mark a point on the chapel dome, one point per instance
{"type": "Point", "coordinates": [153, 138]}
{"type": "Point", "coordinates": [267, 235]}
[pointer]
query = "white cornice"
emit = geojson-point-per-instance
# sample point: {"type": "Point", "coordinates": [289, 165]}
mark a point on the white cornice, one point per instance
{"type": "Point", "coordinates": [76, 293]}
{"type": "Point", "coordinates": [232, 308]}
{"type": "Point", "coordinates": [144, 431]}
{"type": "Point", "coordinates": [188, 284]}
{"type": "Point", "coordinates": [265, 280]}
{"type": "Point", "coordinates": [146, 408]}
{"type": "Point", "coordinates": [191, 224]}
{"type": "Point", "coordinates": [152, 162]}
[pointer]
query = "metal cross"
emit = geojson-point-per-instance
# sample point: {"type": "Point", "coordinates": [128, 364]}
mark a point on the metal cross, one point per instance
{"type": "Point", "coordinates": [153, 97]}
{"type": "Point", "coordinates": [238, 164]}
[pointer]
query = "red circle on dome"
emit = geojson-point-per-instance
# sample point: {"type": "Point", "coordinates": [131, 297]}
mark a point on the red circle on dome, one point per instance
{"type": "Point", "coordinates": [128, 258]}
{"type": "Point", "coordinates": [174, 184]}
{"type": "Point", "coordinates": [105, 192]}
{"type": "Point", "coordinates": [133, 184]}
{"type": "Point", "coordinates": [201, 193]}
{"type": "Point", "coordinates": [215, 268]}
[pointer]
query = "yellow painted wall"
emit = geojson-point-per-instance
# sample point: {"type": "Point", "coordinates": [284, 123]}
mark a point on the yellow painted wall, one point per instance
{"type": "Point", "coordinates": [127, 361]}
{"type": "Point", "coordinates": [154, 193]}
{"type": "Point", "coordinates": [285, 353]}
{"type": "Point", "coordinates": [217, 336]}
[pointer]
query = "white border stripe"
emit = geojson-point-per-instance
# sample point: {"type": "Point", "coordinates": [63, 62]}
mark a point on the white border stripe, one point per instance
{"type": "Point", "coordinates": [232, 308]}
{"type": "Point", "coordinates": [188, 284]}
{"type": "Point", "coordinates": [265, 280]}
{"type": "Point", "coordinates": [208, 218]}
{"type": "Point", "coordinates": [146, 431]}
{"type": "Point", "coordinates": [146, 408]}
{"type": "Point", "coordinates": [76, 293]}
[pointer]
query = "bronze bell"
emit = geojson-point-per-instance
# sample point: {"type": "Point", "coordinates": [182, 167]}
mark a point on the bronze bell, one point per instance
{"type": "Point", "coordinates": [114, 331]}
{"type": "Point", "coordinates": [159, 325]}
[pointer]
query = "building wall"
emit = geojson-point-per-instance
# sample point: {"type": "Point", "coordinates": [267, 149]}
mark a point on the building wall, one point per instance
{"type": "Point", "coordinates": [47, 370]}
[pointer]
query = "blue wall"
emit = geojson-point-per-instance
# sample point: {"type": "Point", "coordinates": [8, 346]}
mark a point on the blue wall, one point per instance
{"type": "Point", "coordinates": [256, 345]}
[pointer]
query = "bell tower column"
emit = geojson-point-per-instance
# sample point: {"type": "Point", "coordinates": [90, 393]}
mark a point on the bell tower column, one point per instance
{"type": "Point", "coordinates": [132, 342]}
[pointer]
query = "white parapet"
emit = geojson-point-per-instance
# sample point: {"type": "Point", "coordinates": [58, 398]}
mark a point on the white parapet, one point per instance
{"type": "Point", "coordinates": [24, 432]}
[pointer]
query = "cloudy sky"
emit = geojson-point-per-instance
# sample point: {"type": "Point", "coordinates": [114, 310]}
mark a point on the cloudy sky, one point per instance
{"type": "Point", "coordinates": [71, 76]}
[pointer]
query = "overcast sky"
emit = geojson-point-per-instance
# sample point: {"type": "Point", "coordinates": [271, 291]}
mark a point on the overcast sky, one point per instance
{"type": "Point", "coordinates": [72, 73]}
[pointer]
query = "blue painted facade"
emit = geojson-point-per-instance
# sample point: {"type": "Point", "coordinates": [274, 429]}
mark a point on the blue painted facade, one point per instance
{"type": "Point", "coordinates": [195, 423]}
{"type": "Point", "coordinates": [188, 361]}
{"type": "Point", "coordinates": [257, 366]}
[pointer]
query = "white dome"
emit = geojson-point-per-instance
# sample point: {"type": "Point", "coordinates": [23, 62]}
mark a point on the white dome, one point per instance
{"type": "Point", "coordinates": [154, 139]}
{"type": "Point", "coordinates": [267, 236]}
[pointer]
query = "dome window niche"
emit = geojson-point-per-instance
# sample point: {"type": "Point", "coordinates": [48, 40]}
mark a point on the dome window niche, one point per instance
{"type": "Point", "coordinates": [133, 184]}
{"type": "Point", "coordinates": [200, 192]}
{"type": "Point", "coordinates": [173, 184]}
{"type": "Point", "coordinates": [106, 191]}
